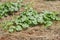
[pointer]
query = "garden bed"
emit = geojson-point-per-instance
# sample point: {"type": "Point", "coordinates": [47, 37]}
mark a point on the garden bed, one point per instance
{"type": "Point", "coordinates": [38, 32]}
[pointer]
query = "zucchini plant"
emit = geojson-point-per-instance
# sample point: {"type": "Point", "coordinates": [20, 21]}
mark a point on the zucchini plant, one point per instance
{"type": "Point", "coordinates": [31, 17]}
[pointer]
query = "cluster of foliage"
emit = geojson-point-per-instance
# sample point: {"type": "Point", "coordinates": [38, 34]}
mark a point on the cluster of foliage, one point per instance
{"type": "Point", "coordinates": [30, 18]}
{"type": "Point", "coordinates": [8, 7]}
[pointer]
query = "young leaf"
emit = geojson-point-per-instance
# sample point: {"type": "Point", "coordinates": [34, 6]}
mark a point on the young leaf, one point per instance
{"type": "Point", "coordinates": [18, 28]}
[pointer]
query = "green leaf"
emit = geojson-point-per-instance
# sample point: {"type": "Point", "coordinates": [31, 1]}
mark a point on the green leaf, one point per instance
{"type": "Point", "coordinates": [58, 18]}
{"type": "Point", "coordinates": [40, 19]}
{"type": "Point", "coordinates": [24, 25]}
{"type": "Point", "coordinates": [34, 22]}
{"type": "Point", "coordinates": [18, 28]}
{"type": "Point", "coordinates": [48, 24]}
{"type": "Point", "coordinates": [11, 30]}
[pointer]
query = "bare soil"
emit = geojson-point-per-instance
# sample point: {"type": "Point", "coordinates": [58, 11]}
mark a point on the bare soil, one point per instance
{"type": "Point", "coordinates": [38, 32]}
